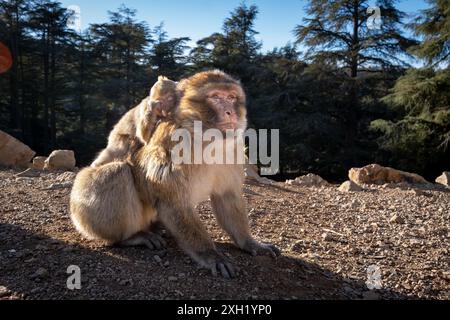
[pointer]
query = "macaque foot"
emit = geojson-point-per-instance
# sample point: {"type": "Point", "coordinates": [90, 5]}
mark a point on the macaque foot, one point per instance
{"type": "Point", "coordinates": [151, 240]}
{"type": "Point", "coordinates": [256, 248]}
{"type": "Point", "coordinates": [159, 229]}
{"type": "Point", "coordinates": [217, 263]}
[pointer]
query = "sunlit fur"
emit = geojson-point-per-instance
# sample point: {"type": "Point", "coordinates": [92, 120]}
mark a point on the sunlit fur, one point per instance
{"type": "Point", "coordinates": [194, 93]}
{"type": "Point", "coordinates": [139, 123]}
{"type": "Point", "coordinates": [125, 197]}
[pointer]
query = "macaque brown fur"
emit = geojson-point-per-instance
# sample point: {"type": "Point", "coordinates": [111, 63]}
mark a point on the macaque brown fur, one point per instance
{"type": "Point", "coordinates": [119, 202]}
{"type": "Point", "coordinates": [140, 122]}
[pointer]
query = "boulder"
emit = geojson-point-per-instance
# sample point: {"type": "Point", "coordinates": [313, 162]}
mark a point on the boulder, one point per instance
{"type": "Point", "coordinates": [13, 152]}
{"type": "Point", "coordinates": [309, 180]}
{"type": "Point", "coordinates": [376, 174]}
{"type": "Point", "coordinates": [349, 186]}
{"type": "Point", "coordinates": [39, 163]}
{"type": "Point", "coordinates": [444, 179]}
{"type": "Point", "coordinates": [60, 160]}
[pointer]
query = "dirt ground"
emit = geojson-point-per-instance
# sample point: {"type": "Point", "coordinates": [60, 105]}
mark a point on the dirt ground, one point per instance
{"type": "Point", "coordinates": [332, 243]}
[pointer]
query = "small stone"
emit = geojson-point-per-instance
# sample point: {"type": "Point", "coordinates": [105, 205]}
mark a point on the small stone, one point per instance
{"type": "Point", "coordinates": [40, 273]}
{"type": "Point", "coordinates": [29, 173]}
{"type": "Point", "coordinates": [68, 249]}
{"type": "Point", "coordinates": [67, 176]}
{"type": "Point", "coordinates": [349, 186]}
{"type": "Point", "coordinates": [417, 192]}
{"type": "Point", "coordinates": [56, 186]}
{"type": "Point", "coordinates": [310, 180]}
{"type": "Point", "coordinates": [298, 246]}
{"type": "Point", "coordinates": [327, 236]}
{"type": "Point", "coordinates": [444, 179]}
{"type": "Point", "coordinates": [157, 258]}
{"type": "Point", "coordinates": [4, 291]}
{"type": "Point", "coordinates": [397, 219]}
{"type": "Point", "coordinates": [371, 295]}
{"type": "Point", "coordinates": [35, 290]}
{"type": "Point", "coordinates": [41, 247]}
{"type": "Point", "coordinates": [166, 264]}
{"type": "Point", "coordinates": [444, 275]}
{"type": "Point", "coordinates": [126, 282]}
{"type": "Point", "coordinates": [173, 279]}
{"type": "Point", "coordinates": [39, 163]}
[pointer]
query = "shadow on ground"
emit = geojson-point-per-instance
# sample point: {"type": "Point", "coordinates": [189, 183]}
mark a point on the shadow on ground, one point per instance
{"type": "Point", "coordinates": [34, 266]}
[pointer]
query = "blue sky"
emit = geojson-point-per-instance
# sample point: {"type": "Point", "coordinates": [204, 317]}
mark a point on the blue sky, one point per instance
{"type": "Point", "coordinates": [200, 18]}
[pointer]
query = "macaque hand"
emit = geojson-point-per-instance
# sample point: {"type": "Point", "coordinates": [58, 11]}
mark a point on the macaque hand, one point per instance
{"type": "Point", "coordinates": [156, 108]}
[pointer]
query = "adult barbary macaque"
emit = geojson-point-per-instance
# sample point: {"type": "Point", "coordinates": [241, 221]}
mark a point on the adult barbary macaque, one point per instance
{"type": "Point", "coordinates": [119, 202]}
{"type": "Point", "coordinates": [140, 122]}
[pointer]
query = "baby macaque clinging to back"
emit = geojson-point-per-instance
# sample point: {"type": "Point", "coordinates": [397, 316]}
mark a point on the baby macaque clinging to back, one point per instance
{"type": "Point", "coordinates": [140, 122]}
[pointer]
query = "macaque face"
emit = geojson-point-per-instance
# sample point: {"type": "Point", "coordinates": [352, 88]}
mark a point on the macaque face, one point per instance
{"type": "Point", "coordinates": [224, 104]}
{"type": "Point", "coordinates": [164, 104]}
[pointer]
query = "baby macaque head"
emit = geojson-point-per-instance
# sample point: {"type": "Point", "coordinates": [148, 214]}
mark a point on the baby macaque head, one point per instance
{"type": "Point", "coordinates": [163, 97]}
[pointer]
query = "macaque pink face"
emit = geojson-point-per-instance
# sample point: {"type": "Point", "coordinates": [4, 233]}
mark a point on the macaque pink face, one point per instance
{"type": "Point", "coordinates": [164, 105]}
{"type": "Point", "coordinates": [224, 105]}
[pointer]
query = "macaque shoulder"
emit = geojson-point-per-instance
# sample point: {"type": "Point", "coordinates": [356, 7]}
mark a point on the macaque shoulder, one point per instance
{"type": "Point", "coordinates": [127, 124]}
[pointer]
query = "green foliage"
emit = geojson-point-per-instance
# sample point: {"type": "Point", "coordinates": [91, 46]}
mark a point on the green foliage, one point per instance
{"type": "Point", "coordinates": [168, 55]}
{"type": "Point", "coordinates": [421, 92]}
{"type": "Point", "coordinates": [422, 97]}
{"type": "Point", "coordinates": [433, 25]}
{"type": "Point", "coordinates": [337, 106]}
{"type": "Point", "coordinates": [337, 32]}
{"type": "Point", "coordinates": [234, 50]}
{"type": "Point", "coordinates": [418, 137]}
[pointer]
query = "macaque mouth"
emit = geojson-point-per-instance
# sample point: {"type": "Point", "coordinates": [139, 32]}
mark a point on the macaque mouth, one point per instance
{"type": "Point", "coordinates": [227, 126]}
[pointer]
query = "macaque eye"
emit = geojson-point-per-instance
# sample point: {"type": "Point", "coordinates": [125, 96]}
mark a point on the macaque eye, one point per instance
{"type": "Point", "coordinates": [232, 97]}
{"type": "Point", "coordinates": [215, 96]}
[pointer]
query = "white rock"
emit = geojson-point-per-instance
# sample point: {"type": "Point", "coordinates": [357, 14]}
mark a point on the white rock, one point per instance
{"type": "Point", "coordinates": [61, 160]}
{"type": "Point", "coordinates": [309, 180]}
{"type": "Point", "coordinates": [13, 152]}
{"type": "Point", "coordinates": [251, 173]}
{"type": "Point", "coordinates": [349, 186]}
{"type": "Point", "coordinates": [39, 163]}
{"type": "Point", "coordinates": [444, 179]}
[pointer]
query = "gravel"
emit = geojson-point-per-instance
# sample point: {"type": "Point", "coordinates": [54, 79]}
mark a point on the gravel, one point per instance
{"type": "Point", "coordinates": [332, 242]}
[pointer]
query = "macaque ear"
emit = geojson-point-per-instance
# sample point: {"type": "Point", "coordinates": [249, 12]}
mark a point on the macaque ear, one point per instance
{"type": "Point", "coordinates": [162, 78]}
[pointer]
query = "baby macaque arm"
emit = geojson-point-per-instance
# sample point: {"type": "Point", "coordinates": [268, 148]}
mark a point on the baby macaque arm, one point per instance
{"type": "Point", "coordinates": [148, 121]}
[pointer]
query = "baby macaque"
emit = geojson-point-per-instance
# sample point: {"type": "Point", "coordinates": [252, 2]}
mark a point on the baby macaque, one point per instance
{"type": "Point", "coordinates": [140, 122]}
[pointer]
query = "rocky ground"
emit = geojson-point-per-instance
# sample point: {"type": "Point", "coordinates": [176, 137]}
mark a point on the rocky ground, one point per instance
{"type": "Point", "coordinates": [332, 243]}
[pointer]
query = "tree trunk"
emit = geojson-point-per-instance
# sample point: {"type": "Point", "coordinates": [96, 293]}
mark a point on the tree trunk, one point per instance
{"type": "Point", "coordinates": [355, 43]}
{"type": "Point", "coordinates": [13, 79]}
{"type": "Point", "coordinates": [82, 115]}
{"type": "Point", "coordinates": [53, 93]}
{"type": "Point", "coordinates": [45, 55]}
